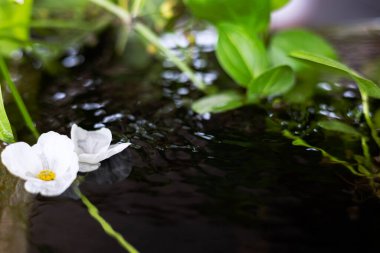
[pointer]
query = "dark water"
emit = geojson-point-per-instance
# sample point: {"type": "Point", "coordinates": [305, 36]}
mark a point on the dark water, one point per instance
{"type": "Point", "coordinates": [197, 183]}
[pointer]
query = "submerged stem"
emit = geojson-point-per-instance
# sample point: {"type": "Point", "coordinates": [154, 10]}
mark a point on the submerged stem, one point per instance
{"type": "Point", "coordinates": [150, 36]}
{"type": "Point", "coordinates": [366, 152]}
{"type": "Point", "coordinates": [94, 212]}
{"type": "Point", "coordinates": [18, 99]}
{"type": "Point", "coordinates": [298, 141]}
{"type": "Point", "coordinates": [367, 117]}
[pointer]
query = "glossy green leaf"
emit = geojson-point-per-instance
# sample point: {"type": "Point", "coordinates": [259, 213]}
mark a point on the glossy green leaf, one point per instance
{"type": "Point", "coordinates": [242, 56]}
{"type": "Point", "coordinates": [14, 25]}
{"type": "Point", "coordinates": [220, 102]}
{"type": "Point", "coordinates": [366, 86]}
{"type": "Point", "coordinates": [5, 127]}
{"type": "Point", "coordinates": [338, 126]}
{"type": "Point", "coordinates": [283, 43]}
{"type": "Point", "coordinates": [278, 4]}
{"type": "Point", "coordinates": [275, 81]}
{"type": "Point", "coordinates": [252, 15]}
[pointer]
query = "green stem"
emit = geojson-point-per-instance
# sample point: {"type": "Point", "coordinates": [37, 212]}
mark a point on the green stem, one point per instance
{"type": "Point", "coordinates": [366, 152]}
{"type": "Point", "coordinates": [147, 34]}
{"type": "Point", "coordinates": [297, 141]}
{"type": "Point", "coordinates": [150, 36]}
{"type": "Point", "coordinates": [94, 212]}
{"type": "Point", "coordinates": [123, 4]}
{"type": "Point", "coordinates": [60, 24]}
{"type": "Point", "coordinates": [114, 9]}
{"type": "Point", "coordinates": [18, 99]}
{"type": "Point", "coordinates": [136, 7]}
{"type": "Point", "coordinates": [367, 117]}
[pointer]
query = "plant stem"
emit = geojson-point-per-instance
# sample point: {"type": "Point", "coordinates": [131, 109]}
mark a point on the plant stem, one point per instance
{"type": "Point", "coordinates": [123, 4]}
{"type": "Point", "coordinates": [136, 7]}
{"type": "Point", "coordinates": [147, 34]}
{"type": "Point", "coordinates": [151, 37]}
{"type": "Point", "coordinates": [114, 9]}
{"type": "Point", "coordinates": [18, 99]}
{"type": "Point", "coordinates": [94, 212]}
{"type": "Point", "coordinates": [366, 152]}
{"type": "Point", "coordinates": [367, 116]}
{"type": "Point", "coordinates": [298, 141]}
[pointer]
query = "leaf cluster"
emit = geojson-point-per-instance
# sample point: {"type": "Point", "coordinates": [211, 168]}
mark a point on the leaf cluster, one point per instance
{"type": "Point", "coordinates": [263, 69]}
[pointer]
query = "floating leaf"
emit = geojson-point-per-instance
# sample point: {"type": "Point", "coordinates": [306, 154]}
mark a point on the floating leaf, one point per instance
{"type": "Point", "coordinates": [338, 126]}
{"type": "Point", "coordinates": [5, 127]}
{"type": "Point", "coordinates": [218, 102]}
{"type": "Point", "coordinates": [252, 15]}
{"type": "Point", "coordinates": [275, 81]}
{"type": "Point", "coordinates": [283, 43]}
{"type": "Point", "coordinates": [366, 86]}
{"type": "Point", "coordinates": [242, 56]}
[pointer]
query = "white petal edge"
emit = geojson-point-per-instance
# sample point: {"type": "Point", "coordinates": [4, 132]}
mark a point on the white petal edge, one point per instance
{"type": "Point", "coordinates": [21, 161]}
{"type": "Point", "coordinates": [97, 158]}
{"type": "Point", "coordinates": [90, 142]}
{"type": "Point", "coordinates": [116, 148]}
{"type": "Point", "coordinates": [87, 167]}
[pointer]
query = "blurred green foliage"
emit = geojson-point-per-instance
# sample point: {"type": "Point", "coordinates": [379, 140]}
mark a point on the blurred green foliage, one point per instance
{"type": "Point", "coordinates": [14, 25]}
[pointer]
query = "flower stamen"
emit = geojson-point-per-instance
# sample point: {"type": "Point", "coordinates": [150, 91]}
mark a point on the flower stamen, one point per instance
{"type": "Point", "coordinates": [46, 175]}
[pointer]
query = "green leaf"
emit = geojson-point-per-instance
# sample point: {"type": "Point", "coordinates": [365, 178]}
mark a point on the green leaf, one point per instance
{"type": "Point", "coordinates": [338, 126]}
{"type": "Point", "coordinates": [283, 43]}
{"type": "Point", "coordinates": [366, 86]}
{"type": "Point", "coordinates": [14, 25]}
{"type": "Point", "coordinates": [252, 15]}
{"type": "Point", "coordinates": [275, 81]}
{"type": "Point", "coordinates": [242, 56]}
{"type": "Point", "coordinates": [278, 4]}
{"type": "Point", "coordinates": [5, 127]}
{"type": "Point", "coordinates": [220, 102]}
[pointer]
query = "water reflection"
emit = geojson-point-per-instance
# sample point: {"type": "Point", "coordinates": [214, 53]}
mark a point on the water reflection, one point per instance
{"type": "Point", "coordinates": [199, 183]}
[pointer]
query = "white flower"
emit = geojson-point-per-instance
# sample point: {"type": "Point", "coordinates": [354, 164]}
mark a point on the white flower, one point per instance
{"type": "Point", "coordinates": [93, 147]}
{"type": "Point", "coordinates": [48, 167]}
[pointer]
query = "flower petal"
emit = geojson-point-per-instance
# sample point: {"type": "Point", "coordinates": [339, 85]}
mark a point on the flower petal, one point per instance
{"type": "Point", "coordinates": [90, 142]}
{"type": "Point", "coordinates": [54, 187]}
{"type": "Point", "coordinates": [92, 158]}
{"type": "Point", "coordinates": [21, 161]}
{"type": "Point", "coordinates": [87, 167]}
{"type": "Point", "coordinates": [116, 148]}
{"type": "Point", "coordinates": [55, 150]}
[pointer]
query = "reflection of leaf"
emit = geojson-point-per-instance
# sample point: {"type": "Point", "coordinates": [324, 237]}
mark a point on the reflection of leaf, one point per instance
{"type": "Point", "coordinates": [283, 43]}
{"type": "Point", "coordinates": [5, 127]}
{"type": "Point", "coordinates": [338, 126]}
{"type": "Point", "coordinates": [218, 102]}
{"type": "Point", "coordinates": [252, 15]}
{"type": "Point", "coordinates": [14, 25]}
{"type": "Point", "coordinates": [273, 82]}
{"type": "Point", "coordinates": [241, 55]}
{"type": "Point", "coordinates": [366, 86]}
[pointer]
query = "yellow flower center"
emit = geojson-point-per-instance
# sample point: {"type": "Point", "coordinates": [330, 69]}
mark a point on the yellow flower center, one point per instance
{"type": "Point", "coordinates": [46, 175]}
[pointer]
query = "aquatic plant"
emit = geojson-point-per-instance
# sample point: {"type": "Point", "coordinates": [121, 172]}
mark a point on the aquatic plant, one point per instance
{"type": "Point", "coordinates": [364, 165]}
{"type": "Point", "coordinates": [263, 65]}
{"type": "Point", "coordinates": [263, 69]}
{"type": "Point", "coordinates": [280, 67]}
{"type": "Point", "coordinates": [50, 166]}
